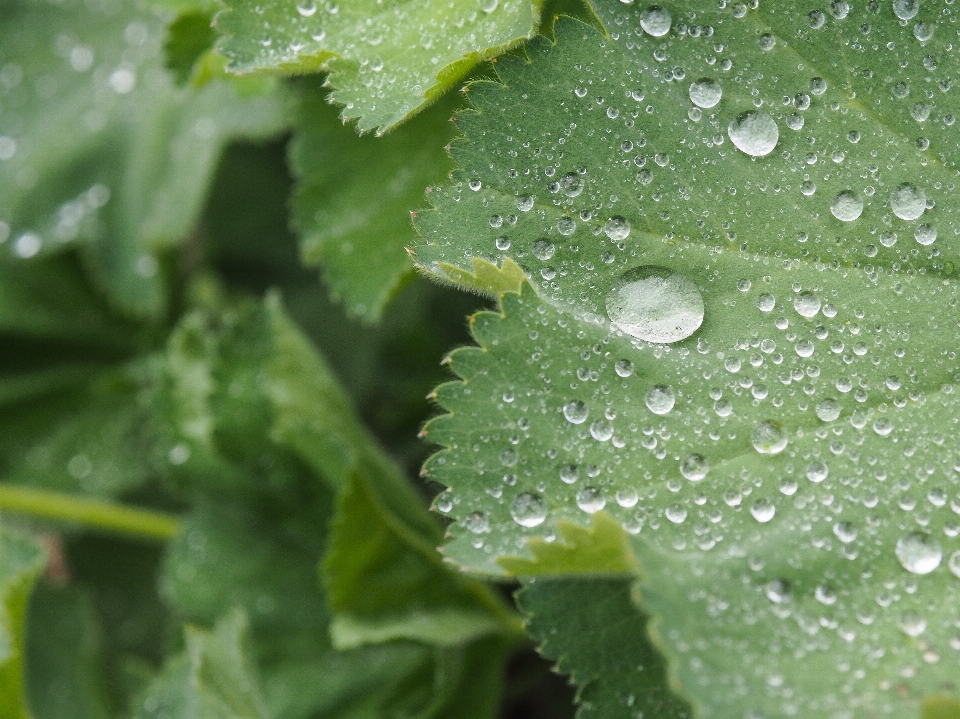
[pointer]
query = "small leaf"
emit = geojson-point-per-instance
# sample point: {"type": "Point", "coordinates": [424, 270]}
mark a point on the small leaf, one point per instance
{"type": "Point", "coordinates": [189, 36]}
{"type": "Point", "coordinates": [596, 634]}
{"type": "Point", "coordinates": [386, 61]}
{"type": "Point", "coordinates": [21, 561]}
{"type": "Point", "coordinates": [354, 195]}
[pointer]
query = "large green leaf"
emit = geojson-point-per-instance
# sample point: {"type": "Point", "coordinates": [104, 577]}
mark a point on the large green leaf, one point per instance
{"type": "Point", "coordinates": [20, 563]}
{"type": "Point", "coordinates": [100, 148]}
{"type": "Point", "coordinates": [354, 197]}
{"type": "Point", "coordinates": [784, 468]}
{"type": "Point", "coordinates": [386, 60]}
{"type": "Point", "coordinates": [213, 678]}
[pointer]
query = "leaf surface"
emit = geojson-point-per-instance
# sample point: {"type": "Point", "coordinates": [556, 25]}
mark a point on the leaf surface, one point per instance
{"type": "Point", "coordinates": [783, 467]}
{"type": "Point", "coordinates": [101, 149]}
{"type": "Point", "coordinates": [386, 61]}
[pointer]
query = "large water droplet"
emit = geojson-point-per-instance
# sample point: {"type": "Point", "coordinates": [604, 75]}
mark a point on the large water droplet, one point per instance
{"type": "Point", "coordinates": [912, 624]}
{"type": "Point", "coordinates": [660, 399]}
{"type": "Point", "coordinates": [655, 21]}
{"type": "Point", "coordinates": [655, 304]}
{"type": "Point", "coordinates": [590, 499]}
{"type": "Point", "coordinates": [825, 594]}
{"type": "Point", "coordinates": [754, 133]}
{"type": "Point", "coordinates": [617, 228]}
{"type": "Point", "coordinates": [919, 553]}
{"type": "Point", "coordinates": [845, 532]}
{"type": "Point", "coordinates": [807, 304]}
{"type": "Point", "coordinates": [778, 591]}
{"type": "Point", "coordinates": [847, 206]}
{"type": "Point", "coordinates": [575, 412]}
{"type": "Point", "coordinates": [623, 368]}
{"type": "Point", "coordinates": [543, 250]}
{"type": "Point", "coordinates": [769, 437]}
{"type": "Point", "coordinates": [705, 92]}
{"type": "Point", "coordinates": [908, 201]}
{"type": "Point", "coordinates": [817, 471]}
{"type": "Point", "coordinates": [694, 467]}
{"type": "Point", "coordinates": [906, 9]}
{"type": "Point", "coordinates": [675, 513]}
{"type": "Point", "coordinates": [763, 510]}
{"type": "Point", "coordinates": [828, 410]}
{"type": "Point", "coordinates": [571, 184]}
{"type": "Point", "coordinates": [528, 509]}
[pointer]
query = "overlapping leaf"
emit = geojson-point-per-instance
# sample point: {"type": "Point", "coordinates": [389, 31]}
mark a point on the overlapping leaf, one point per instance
{"type": "Point", "coordinates": [387, 61]}
{"type": "Point", "coordinates": [785, 470]}
{"type": "Point", "coordinates": [354, 197]}
{"type": "Point", "coordinates": [98, 146]}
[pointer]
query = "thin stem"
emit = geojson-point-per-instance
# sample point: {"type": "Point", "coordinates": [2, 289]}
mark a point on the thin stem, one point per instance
{"type": "Point", "coordinates": [90, 512]}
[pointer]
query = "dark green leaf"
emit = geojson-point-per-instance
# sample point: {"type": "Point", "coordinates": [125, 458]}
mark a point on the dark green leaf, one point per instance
{"type": "Point", "coordinates": [189, 36]}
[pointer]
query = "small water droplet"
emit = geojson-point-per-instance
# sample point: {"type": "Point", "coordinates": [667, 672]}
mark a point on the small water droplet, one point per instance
{"type": "Point", "coordinates": [807, 304]}
{"type": "Point", "coordinates": [763, 510]}
{"type": "Point", "coordinates": [617, 228]}
{"type": "Point", "coordinates": [675, 513]}
{"type": "Point", "coordinates": [954, 563]}
{"type": "Point", "coordinates": [847, 206]}
{"type": "Point", "coordinates": [655, 304]}
{"type": "Point", "coordinates": [569, 473]}
{"type": "Point", "coordinates": [906, 9]}
{"type": "Point", "coordinates": [575, 412]}
{"type": "Point", "coordinates": [705, 92]}
{"type": "Point", "coordinates": [766, 302]}
{"type": "Point", "coordinates": [912, 624]}
{"type": "Point", "coordinates": [925, 234]}
{"type": "Point", "coordinates": [655, 21]}
{"type": "Point", "coordinates": [754, 133]}
{"type": "Point", "coordinates": [828, 410]}
{"type": "Point", "coordinates": [590, 499]}
{"type": "Point", "coordinates": [694, 467]}
{"type": "Point", "coordinates": [660, 399]}
{"type": "Point", "coordinates": [919, 553]}
{"type": "Point", "coordinates": [845, 532]}
{"type": "Point", "coordinates": [908, 201]}
{"type": "Point", "coordinates": [528, 509]}
{"type": "Point", "coordinates": [623, 367]}
{"type": "Point", "coordinates": [817, 471]}
{"type": "Point", "coordinates": [477, 523]}
{"type": "Point", "coordinates": [543, 250]}
{"type": "Point", "coordinates": [769, 437]}
{"type": "Point", "coordinates": [778, 591]}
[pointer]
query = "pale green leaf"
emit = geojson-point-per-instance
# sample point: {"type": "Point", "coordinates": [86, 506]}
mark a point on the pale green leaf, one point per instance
{"type": "Point", "coordinates": [386, 61]}
{"type": "Point", "coordinates": [354, 195]}
{"type": "Point", "coordinates": [100, 148]}
{"type": "Point", "coordinates": [774, 590]}
{"type": "Point", "coordinates": [21, 561]}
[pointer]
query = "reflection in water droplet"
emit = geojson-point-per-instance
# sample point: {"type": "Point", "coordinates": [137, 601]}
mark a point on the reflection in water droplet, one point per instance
{"type": "Point", "coordinates": [694, 467]}
{"type": "Point", "coordinates": [919, 553]}
{"type": "Point", "coordinates": [705, 92]}
{"type": "Point", "coordinates": [655, 304]}
{"type": "Point", "coordinates": [655, 21]}
{"type": "Point", "coordinates": [623, 368]}
{"type": "Point", "coordinates": [908, 201]}
{"type": "Point", "coordinates": [617, 228]}
{"type": "Point", "coordinates": [569, 473]}
{"type": "Point", "coordinates": [763, 510]}
{"type": "Point", "coordinates": [807, 304]}
{"type": "Point", "coordinates": [825, 595]}
{"type": "Point", "coordinates": [675, 513]}
{"type": "Point", "coordinates": [627, 497]}
{"type": "Point", "coordinates": [845, 532]}
{"type": "Point", "coordinates": [575, 412]}
{"type": "Point", "coordinates": [912, 624]}
{"type": "Point", "coordinates": [769, 437]}
{"type": "Point", "coordinates": [906, 9]}
{"type": "Point", "coordinates": [590, 499]}
{"type": "Point", "coordinates": [817, 471]}
{"type": "Point", "coordinates": [754, 133]}
{"type": "Point", "coordinates": [847, 206]}
{"type": "Point", "coordinates": [528, 509]}
{"type": "Point", "coordinates": [925, 234]}
{"type": "Point", "coordinates": [477, 523]}
{"type": "Point", "coordinates": [778, 591]}
{"type": "Point", "coordinates": [660, 399]}
{"type": "Point", "coordinates": [543, 250]}
{"type": "Point", "coordinates": [571, 184]}
{"type": "Point", "coordinates": [828, 410]}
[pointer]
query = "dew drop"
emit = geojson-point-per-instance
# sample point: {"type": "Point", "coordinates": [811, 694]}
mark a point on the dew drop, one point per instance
{"type": "Point", "coordinates": [828, 410]}
{"type": "Point", "coordinates": [617, 228]}
{"type": "Point", "coordinates": [763, 510]}
{"type": "Point", "coordinates": [769, 437]}
{"type": "Point", "coordinates": [705, 92]}
{"type": "Point", "coordinates": [675, 513]}
{"type": "Point", "coordinates": [807, 304]}
{"type": "Point", "coordinates": [778, 591]}
{"type": "Point", "coordinates": [817, 471]}
{"type": "Point", "coordinates": [543, 250]}
{"type": "Point", "coordinates": [754, 133]}
{"type": "Point", "coordinates": [575, 412]}
{"type": "Point", "coordinates": [912, 624]}
{"type": "Point", "coordinates": [601, 430]}
{"type": "Point", "coordinates": [627, 497]}
{"type": "Point", "coordinates": [906, 9]}
{"type": "Point", "coordinates": [766, 302]}
{"type": "Point", "coordinates": [847, 206]}
{"type": "Point", "coordinates": [528, 509]}
{"type": "Point", "coordinates": [569, 473]}
{"type": "Point", "coordinates": [694, 467]}
{"type": "Point", "coordinates": [477, 523]}
{"type": "Point", "coordinates": [825, 595]}
{"type": "Point", "coordinates": [591, 500]}
{"type": "Point", "coordinates": [925, 234]}
{"type": "Point", "coordinates": [919, 553]}
{"type": "Point", "coordinates": [660, 399]}
{"type": "Point", "coordinates": [954, 563]}
{"type": "Point", "coordinates": [571, 184]}
{"type": "Point", "coordinates": [655, 21]}
{"type": "Point", "coordinates": [623, 368]}
{"type": "Point", "coordinates": [908, 201]}
{"type": "Point", "coordinates": [655, 304]}
{"type": "Point", "coordinates": [845, 532]}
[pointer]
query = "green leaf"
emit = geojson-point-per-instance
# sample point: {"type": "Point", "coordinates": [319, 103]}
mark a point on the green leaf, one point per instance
{"type": "Point", "coordinates": [386, 583]}
{"type": "Point", "coordinates": [775, 589]}
{"type": "Point", "coordinates": [597, 635]}
{"type": "Point", "coordinates": [354, 196]}
{"type": "Point", "coordinates": [107, 153]}
{"type": "Point", "coordinates": [212, 679]}
{"type": "Point", "coordinates": [386, 62]}
{"type": "Point", "coordinates": [65, 670]}
{"type": "Point", "coordinates": [21, 561]}
{"type": "Point", "coordinates": [189, 36]}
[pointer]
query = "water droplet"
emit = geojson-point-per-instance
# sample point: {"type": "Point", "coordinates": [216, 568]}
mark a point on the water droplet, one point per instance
{"type": "Point", "coordinates": [847, 206]}
{"type": "Point", "coordinates": [954, 563]}
{"type": "Point", "coordinates": [766, 302]}
{"type": "Point", "coordinates": [502, 243]}
{"type": "Point", "coordinates": [601, 430]}
{"type": "Point", "coordinates": [705, 92]}
{"type": "Point", "coordinates": [477, 523]}
{"type": "Point", "coordinates": [825, 595]}
{"type": "Point", "coordinates": [590, 499]}
{"type": "Point", "coordinates": [807, 304]}
{"type": "Point", "coordinates": [763, 510]}
{"type": "Point", "coordinates": [919, 553]}
{"type": "Point", "coordinates": [675, 513]}
{"type": "Point", "coordinates": [754, 133]}
{"type": "Point", "coordinates": [925, 234]}
{"type": "Point", "coordinates": [694, 467]}
{"type": "Point", "coordinates": [525, 203]}
{"type": "Point", "coordinates": [912, 624]}
{"type": "Point", "coordinates": [655, 21]}
{"type": "Point", "coordinates": [769, 437]}
{"type": "Point", "coordinates": [617, 228]}
{"type": "Point", "coordinates": [575, 412]}
{"type": "Point", "coordinates": [660, 399]}
{"type": "Point", "coordinates": [817, 471]}
{"type": "Point", "coordinates": [828, 410]}
{"type": "Point", "coordinates": [623, 368]}
{"type": "Point", "coordinates": [543, 249]}
{"type": "Point", "coordinates": [778, 591]}
{"type": "Point", "coordinates": [307, 10]}
{"type": "Point", "coordinates": [528, 509]}
{"type": "Point", "coordinates": [908, 201]}
{"type": "Point", "coordinates": [488, 6]}
{"type": "Point", "coordinates": [627, 497]}
{"type": "Point", "coordinates": [906, 9]}
{"type": "Point", "coordinates": [845, 532]}
{"type": "Point", "coordinates": [571, 184]}
{"type": "Point", "coordinates": [569, 473]}
{"type": "Point", "coordinates": [655, 304]}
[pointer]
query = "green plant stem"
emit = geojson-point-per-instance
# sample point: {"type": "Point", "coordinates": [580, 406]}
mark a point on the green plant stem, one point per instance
{"type": "Point", "coordinates": [89, 512]}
